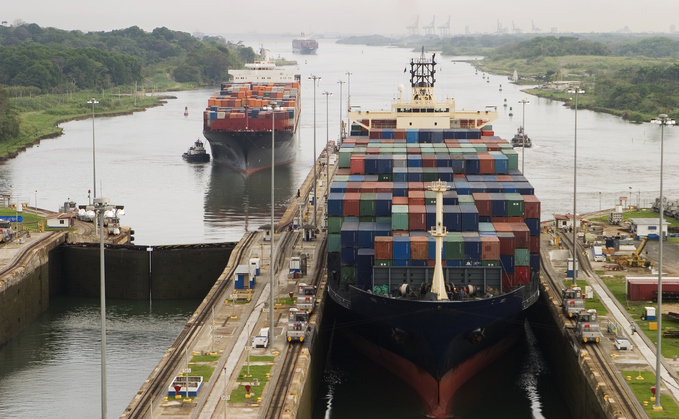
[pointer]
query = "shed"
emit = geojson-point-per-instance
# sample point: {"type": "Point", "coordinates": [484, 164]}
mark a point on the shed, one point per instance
{"type": "Point", "coordinates": [60, 220]}
{"type": "Point", "coordinates": [566, 221]}
{"type": "Point", "coordinates": [642, 227]}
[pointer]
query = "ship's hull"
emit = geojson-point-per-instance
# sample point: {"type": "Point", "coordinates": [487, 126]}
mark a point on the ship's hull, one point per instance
{"type": "Point", "coordinates": [249, 151]}
{"type": "Point", "coordinates": [433, 346]}
{"type": "Point", "coordinates": [305, 50]}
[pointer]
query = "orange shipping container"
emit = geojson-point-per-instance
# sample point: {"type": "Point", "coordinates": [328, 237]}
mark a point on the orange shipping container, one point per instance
{"type": "Point", "coordinates": [383, 247]}
{"type": "Point", "coordinates": [490, 248]}
{"type": "Point", "coordinates": [419, 248]}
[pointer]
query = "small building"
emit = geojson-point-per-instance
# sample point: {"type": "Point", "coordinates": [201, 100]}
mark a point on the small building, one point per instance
{"type": "Point", "coordinates": [646, 288]}
{"type": "Point", "coordinates": [60, 220]}
{"type": "Point", "coordinates": [642, 227]}
{"type": "Point", "coordinates": [565, 222]}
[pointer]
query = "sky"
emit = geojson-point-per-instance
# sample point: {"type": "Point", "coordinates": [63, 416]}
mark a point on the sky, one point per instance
{"type": "Point", "coordinates": [346, 17]}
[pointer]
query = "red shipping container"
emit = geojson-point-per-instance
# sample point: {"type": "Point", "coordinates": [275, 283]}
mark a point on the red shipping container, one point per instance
{"type": "Point", "coordinates": [343, 171]}
{"type": "Point", "coordinates": [417, 217]}
{"type": "Point", "coordinates": [507, 243]}
{"type": "Point", "coordinates": [419, 248]}
{"type": "Point", "coordinates": [483, 204]}
{"type": "Point", "coordinates": [415, 197]}
{"type": "Point", "coordinates": [375, 134]}
{"type": "Point", "coordinates": [352, 204]}
{"type": "Point", "coordinates": [400, 134]}
{"type": "Point", "coordinates": [357, 164]}
{"type": "Point", "coordinates": [515, 219]}
{"type": "Point", "coordinates": [490, 248]}
{"type": "Point", "coordinates": [522, 274]}
{"type": "Point", "coordinates": [416, 186]}
{"type": "Point", "coordinates": [531, 206]}
{"type": "Point", "coordinates": [534, 244]}
{"type": "Point", "coordinates": [503, 220]}
{"type": "Point", "coordinates": [428, 160]}
{"type": "Point", "coordinates": [385, 187]}
{"type": "Point", "coordinates": [414, 150]}
{"type": "Point", "coordinates": [369, 187]}
{"type": "Point", "coordinates": [372, 150]}
{"type": "Point", "coordinates": [354, 187]}
{"type": "Point", "coordinates": [399, 200]}
{"type": "Point", "coordinates": [487, 163]}
{"type": "Point", "coordinates": [384, 247]}
{"type": "Point", "coordinates": [502, 226]}
{"type": "Point", "coordinates": [433, 262]}
{"type": "Point", "coordinates": [521, 233]}
{"type": "Point", "coordinates": [508, 283]}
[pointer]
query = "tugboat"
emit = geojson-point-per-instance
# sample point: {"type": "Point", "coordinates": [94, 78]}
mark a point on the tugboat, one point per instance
{"type": "Point", "coordinates": [521, 139]}
{"type": "Point", "coordinates": [196, 153]}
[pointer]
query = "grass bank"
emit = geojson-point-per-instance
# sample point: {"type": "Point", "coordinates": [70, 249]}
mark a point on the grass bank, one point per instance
{"type": "Point", "coordinates": [41, 115]}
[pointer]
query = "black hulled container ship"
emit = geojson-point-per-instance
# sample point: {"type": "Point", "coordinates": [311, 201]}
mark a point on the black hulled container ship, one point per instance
{"type": "Point", "coordinates": [433, 244]}
{"type": "Point", "coordinates": [239, 120]}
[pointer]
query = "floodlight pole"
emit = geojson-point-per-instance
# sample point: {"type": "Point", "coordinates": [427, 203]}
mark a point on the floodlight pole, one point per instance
{"type": "Point", "coordinates": [576, 91]}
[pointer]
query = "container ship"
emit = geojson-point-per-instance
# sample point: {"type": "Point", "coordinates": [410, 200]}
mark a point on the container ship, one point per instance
{"type": "Point", "coordinates": [239, 121]}
{"type": "Point", "coordinates": [304, 46]}
{"type": "Point", "coordinates": [433, 307]}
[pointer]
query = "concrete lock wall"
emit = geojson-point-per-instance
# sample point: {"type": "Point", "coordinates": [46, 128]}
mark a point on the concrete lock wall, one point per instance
{"type": "Point", "coordinates": [134, 273]}
{"type": "Point", "coordinates": [25, 290]}
{"type": "Point", "coordinates": [577, 381]}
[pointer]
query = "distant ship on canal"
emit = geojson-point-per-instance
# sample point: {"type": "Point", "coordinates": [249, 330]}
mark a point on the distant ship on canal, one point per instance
{"type": "Point", "coordinates": [304, 45]}
{"type": "Point", "coordinates": [257, 102]}
{"type": "Point", "coordinates": [433, 307]}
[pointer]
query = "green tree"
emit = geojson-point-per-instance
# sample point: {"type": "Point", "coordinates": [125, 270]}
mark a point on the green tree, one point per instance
{"type": "Point", "coordinates": [9, 119]}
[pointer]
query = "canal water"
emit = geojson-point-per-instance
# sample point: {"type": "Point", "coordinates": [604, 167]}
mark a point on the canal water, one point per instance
{"type": "Point", "coordinates": [168, 201]}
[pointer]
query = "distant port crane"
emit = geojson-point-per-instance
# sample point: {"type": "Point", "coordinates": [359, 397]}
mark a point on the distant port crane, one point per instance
{"type": "Point", "coordinates": [431, 29]}
{"type": "Point", "coordinates": [444, 30]}
{"type": "Point", "coordinates": [415, 29]}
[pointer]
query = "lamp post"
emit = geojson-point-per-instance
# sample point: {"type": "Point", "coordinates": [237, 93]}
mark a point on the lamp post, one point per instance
{"type": "Point", "coordinates": [340, 82]}
{"type": "Point", "coordinates": [599, 204]}
{"type": "Point", "coordinates": [36, 201]}
{"type": "Point", "coordinates": [348, 90]}
{"type": "Point", "coordinates": [93, 101]}
{"type": "Point", "coordinates": [576, 91]}
{"type": "Point", "coordinates": [101, 205]}
{"type": "Point", "coordinates": [662, 121]}
{"type": "Point", "coordinates": [315, 78]}
{"type": "Point", "coordinates": [629, 203]}
{"type": "Point", "coordinates": [523, 146]}
{"type": "Point", "coordinates": [273, 250]}
{"type": "Point", "coordinates": [327, 139]}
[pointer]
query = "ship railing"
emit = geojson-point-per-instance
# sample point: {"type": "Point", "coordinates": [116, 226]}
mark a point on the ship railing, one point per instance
{"type": "Point", "coordinates": [338, 298]}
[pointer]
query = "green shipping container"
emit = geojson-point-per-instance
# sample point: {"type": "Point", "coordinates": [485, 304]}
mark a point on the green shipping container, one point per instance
{"type": "Point", "coordinates": [430, 174]}
{"type": "Point", "coordinates": [454, 246]}
{"type": "Point", "coordinates": [385, 177]}
{"type": "Point", "coordinates": [514, 204]}
{"type": "Point", "coordinates": [465, 199]}
{"type": "Point", "coordinates": [349, 275]}
{"type": "Point", "coordinates": [345, 158]}
{"type": "Point", "coordinates": [399, 217]}
{"type": "Point", "coordinates": [383, 262]}
{"type": "Point", "coordinates": [512, 157]}
{"type": "Point", "coordinates": [335, 224]}
{"type": "Point", "coordinates": [490, 263]}
{"type": "Point", "coordinates": [430, 197]}
{"type": "Point", "coordinates": [521, 257]}
{"type": "Point", "coordinates": [367, 206]}
{"type": "Point", "coordinates": [334, 243]}
{"type": "Point", "coordinates": [383, 220]}
{"type": "Point", "coordinates": [366, 219]}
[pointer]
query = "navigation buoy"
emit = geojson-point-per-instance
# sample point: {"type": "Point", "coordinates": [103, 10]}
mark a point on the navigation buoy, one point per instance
{"type": "Point", "coordinates": [186, 111]}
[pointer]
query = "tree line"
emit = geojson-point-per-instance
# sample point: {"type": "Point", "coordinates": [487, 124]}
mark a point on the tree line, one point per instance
{"type": "Point", "coordinates": [50, 58]}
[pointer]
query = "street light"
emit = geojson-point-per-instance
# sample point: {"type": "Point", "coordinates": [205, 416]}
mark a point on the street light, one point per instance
{"type": "Point", "coordinates": [315, 78]}
{"type": "Point", "coordinates": [662, 121]}
{"type": "Point", "coordinates": [340, 82]}
{"type": "Point", "coordinates": [101, 205]}
{"type": "Point", "coordinates": [348, 90]}
{"type": "Point", "coordinates": [93, 101]}
{"type": "Point", "coordinates": [523, 147]}
{"type": "Point", "coordinates": [327, 140]}
{"type": "Point", "coordinates": [273, 250]}
{"type": "Point", "coordinates": [576, 91]}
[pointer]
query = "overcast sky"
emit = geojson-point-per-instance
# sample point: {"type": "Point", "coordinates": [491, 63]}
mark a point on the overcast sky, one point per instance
{"type": "Point", "coordinates": [386, 17]}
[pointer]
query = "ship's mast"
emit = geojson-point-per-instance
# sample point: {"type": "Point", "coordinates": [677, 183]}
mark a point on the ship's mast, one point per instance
{"type": "Point", "coordinates": [422, 78]}
{"type": "Point", "coordinates": [438, 285]}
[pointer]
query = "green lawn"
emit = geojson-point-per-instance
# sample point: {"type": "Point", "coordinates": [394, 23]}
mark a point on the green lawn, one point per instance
{"type": "Point", "coordinates": [256, 371]}
{"type": "Point", "coordinates": [641, 389]}
{"type": "Point", "coordinates": [590, 303]}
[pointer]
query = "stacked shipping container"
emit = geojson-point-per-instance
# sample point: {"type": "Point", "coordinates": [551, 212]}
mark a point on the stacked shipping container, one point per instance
{"type": "Point", "coordinates": [379, 208]}
{"type": "Point", "coordinates": [237, 102]}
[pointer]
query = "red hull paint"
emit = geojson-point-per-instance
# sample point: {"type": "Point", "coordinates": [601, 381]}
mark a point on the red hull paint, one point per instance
{"type": "Point", "coordinates": [437, 396]}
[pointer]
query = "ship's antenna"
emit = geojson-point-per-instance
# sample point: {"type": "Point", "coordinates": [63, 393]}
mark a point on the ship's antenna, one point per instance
{"type": "Point", "coordinates": [422, 78]}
